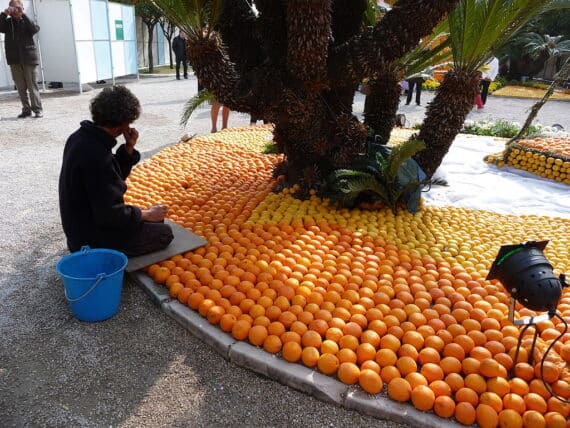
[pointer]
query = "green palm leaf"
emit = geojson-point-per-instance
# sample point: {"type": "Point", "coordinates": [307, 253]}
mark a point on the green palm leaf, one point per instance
{"type": "Point", "coordinates": [193, 103]}
{"type": "Point", "coordinates": [400, 153]}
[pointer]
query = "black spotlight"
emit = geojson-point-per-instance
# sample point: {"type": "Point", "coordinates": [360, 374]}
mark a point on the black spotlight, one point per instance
{"type": "Point", "coordinates": [527, 276]}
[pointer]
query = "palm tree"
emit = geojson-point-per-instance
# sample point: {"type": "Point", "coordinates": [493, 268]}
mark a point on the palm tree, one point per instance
{"type": "Point", "coordinates": [296, 64]}
{"type": "Point", "coordinates": [546, 47]}
{"type": "Point", "coordinates": [478, 28]}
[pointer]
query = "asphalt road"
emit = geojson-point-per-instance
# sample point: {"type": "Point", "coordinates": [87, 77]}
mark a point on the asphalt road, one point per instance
{"type": "Point", "coordinates": [139, 368]}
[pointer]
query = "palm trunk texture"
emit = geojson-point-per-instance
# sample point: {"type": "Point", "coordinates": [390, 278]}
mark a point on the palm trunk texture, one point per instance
{"type": "Point", "coordinates": [298, 65]}
{"type": "Point", "coordinates": [445, 116]}
{"type": "Point", "coordinates": [381, 105]}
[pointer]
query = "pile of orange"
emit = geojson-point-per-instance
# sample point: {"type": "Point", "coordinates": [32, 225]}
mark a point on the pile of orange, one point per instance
{"type": "Point", "coordinates": [394, 303]}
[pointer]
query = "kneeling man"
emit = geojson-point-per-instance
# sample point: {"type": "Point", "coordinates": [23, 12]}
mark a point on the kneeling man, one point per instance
{"type": "Point", "coordinates": [92, 182]}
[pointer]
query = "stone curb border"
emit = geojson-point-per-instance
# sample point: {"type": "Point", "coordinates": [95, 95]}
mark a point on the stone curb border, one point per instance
{"type": "Point", "coordinates": [296, 376]}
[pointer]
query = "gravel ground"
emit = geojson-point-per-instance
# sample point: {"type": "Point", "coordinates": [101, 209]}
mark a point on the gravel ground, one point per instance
{"type": "Point", "coordinates": [139, 368]}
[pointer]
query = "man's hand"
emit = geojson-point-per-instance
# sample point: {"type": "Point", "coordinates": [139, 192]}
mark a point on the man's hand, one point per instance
{"type": "Point", "coordinates": [154, 214]}
{"type": "Point", "coordinates": [131, 136]}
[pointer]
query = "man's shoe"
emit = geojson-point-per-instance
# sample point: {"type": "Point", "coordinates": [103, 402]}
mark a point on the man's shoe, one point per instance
{"type": "Point", "coordinates": [177, 77]}
{"type": "Point", "coordinates": [24, 114]}
{"type": "Point", "coordinates": [38, 114]}
{"type": "Point", "coordinates": [186, 77]}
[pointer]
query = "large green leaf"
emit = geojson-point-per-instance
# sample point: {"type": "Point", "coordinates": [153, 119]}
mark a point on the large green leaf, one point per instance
{"type": "Point", "coordinates": [479, 28]}
{"type": "Point", "coordinates": [191, 16]}
{"type": "Point", "coordinates": [193, 103]}
{"type": "Point", "coordinates": [400, 153]}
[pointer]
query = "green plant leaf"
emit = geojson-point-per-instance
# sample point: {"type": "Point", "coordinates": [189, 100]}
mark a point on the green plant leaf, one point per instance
{"type": "Point", "coordinates": [400, 153]}
{"type": "Point", "coordinates": [193, 103]}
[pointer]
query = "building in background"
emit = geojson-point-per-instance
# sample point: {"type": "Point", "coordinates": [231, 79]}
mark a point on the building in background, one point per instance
{"type": "Point", "coordinates": [80, 41]}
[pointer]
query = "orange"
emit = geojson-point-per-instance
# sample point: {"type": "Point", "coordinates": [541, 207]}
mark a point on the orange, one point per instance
{"type": "Point", "coordinates": [440, 387]}
{"type": "Point", "coordinates": [444, 406]}
{"type": "Point", "coordinates": [547, 371]}
{"type": "Point", "coordinates": [467, 395]}
{"type": "Point", "coordinates": [328, 364]}
{"type": "Point", "coordinates": [240, 329]}
{"type": "Point", "coordinates": [311, 338]}
{"type": "Point", "coordinates": [509, 418]}
{"type": "Point", "coordinates": [555, 420]}
{"type": "Point", "coordinates": [465, 413]}
{"type": "Point", "coordinates": [292, 352]}
{"type": "Point", "coordinates": [257, 335]}
{"type": "Point", "coordinates": [450, 365]}
{"type": "Point", "coordinates": [487, 417]}
{"type": "Point", "coordinates": [399, 389]}
{"type": "Point", "coordinates": [365, 352]}
{"type": "Point", "coordinates": [534, 401]}
{"type": "Point", "coordinates": [429, 355]}
{"type": "Point", "coordinates": [372, 365]}
{"type": "Point", "coordinates": [423, 398]}
{"type": "Point", "coordinates": [389, 372]}
{"type": "Point", "coordinates": [519, 386]}
{"type": "Point", "coordinates": [534, 419]}
{"type": "Point", "coordinates": [227, 321]}
{"type": "Point", "coordinates": [215, 314]}
{"type": "Point", "coordinates": [347, 355]}
{"type": "Point", "coordinates": [492, 400]}
{"type": "Point", "coordinates": [498, 385]}
{"type": "Point", "coordinates": [406, 365]}
{"type": "Point", "coordinates": [386, 357]}
{"type": "Point", "coordinates": [348, 373]}
{"type": "Point", "coordinates": [272, 344]}
{"type": "Point", "coordinates": [555, 405]}
{"type": "Point", "coordinates": [310, 356]}
{"type": "Point", "coordinates": [432, 372]}
{"type": "Point", "coordinates": [370, 381]}
{"type": "Point", "coordinates": [525, 371]}
{"type": "Point", "coordinates": [455, 381]}
{"type": "Point", "coordinates": [415, 379]}
{"type": "Point", "coordinates": [476, 382]}
{"type": "Point", "coordinates": [491, 368]}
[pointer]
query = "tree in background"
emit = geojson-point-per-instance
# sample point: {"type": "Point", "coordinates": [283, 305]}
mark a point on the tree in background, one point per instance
{"type": "Point", "coordinates": [150, 16]}
{"type": "Point", "coordinates": [168, 29]}
{"type": "Point", "coordinates": [546, 48]}
{"type": "Point", "coordinates": [478, 28]}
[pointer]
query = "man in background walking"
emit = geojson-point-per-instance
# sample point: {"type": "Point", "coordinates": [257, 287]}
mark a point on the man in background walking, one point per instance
{"type": "Point", "coordinates": [179, 48]}
{"type": "Point", "coordinates": [22, 56]}
{"type": "Point", "coordinates": [489, 73]}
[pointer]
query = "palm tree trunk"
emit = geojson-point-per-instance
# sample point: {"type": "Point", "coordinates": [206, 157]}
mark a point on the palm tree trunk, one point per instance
{"type": "Point", "coordinates": [558, 79]}
{"type": "Point", "coordinates": [445, 116]}
{"type": "Point", "coordinates": [381, 105]}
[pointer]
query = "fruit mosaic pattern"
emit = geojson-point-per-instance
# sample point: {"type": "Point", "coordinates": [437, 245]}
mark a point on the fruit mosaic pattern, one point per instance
{"type": "Point", "coordinates": [546, 157]}
{"type": "Point", "coordinates": [397, 305]}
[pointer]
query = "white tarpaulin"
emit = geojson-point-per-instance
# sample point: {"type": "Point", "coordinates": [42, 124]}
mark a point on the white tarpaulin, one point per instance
{"type": "Point", "coordinates": [478, 185]}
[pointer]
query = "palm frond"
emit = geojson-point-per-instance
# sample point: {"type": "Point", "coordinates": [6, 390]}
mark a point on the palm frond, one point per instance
{"type": "Point", "coordinates": [400, 153]}
{"type": "Point", "coordinates": [351, 184]}
{"type": "Point", "coordinates": [479, 28]}
{"type": "Point", "coordinates": [193, 103]}
{"type": "Point", "coordinates": [191, 16]}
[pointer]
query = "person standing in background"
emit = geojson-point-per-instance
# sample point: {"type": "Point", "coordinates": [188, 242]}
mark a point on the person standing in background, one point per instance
{"type": "Point", "coordinates": [179, 48]}
{"type": "Point", "coordinates": [417, 80]}
{"type": "Point", "coordinates": [22, 56]}
{"type": "Point", "coordinates": [489, 73]}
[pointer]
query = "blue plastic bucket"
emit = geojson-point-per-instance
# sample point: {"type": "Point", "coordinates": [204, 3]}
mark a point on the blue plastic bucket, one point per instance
{"type": "Point", "coordinates": [93, 281]}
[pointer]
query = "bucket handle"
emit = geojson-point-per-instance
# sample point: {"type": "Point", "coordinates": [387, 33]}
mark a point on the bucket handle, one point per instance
{"type": "Point", "coordinates": [100, 278]}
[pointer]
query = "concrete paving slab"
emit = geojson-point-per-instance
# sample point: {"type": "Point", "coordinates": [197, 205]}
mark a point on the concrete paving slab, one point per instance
{"type": "Point", "coordinates": [183, 241]}
{"type": "Point", "coordinates": [157, 294]}
{"type": "Point", "coordinates": [382, 407]}
{"type": "Point", "coordinates": [199, 327]}
{"type": "Point", "coordinates": [294, 375]}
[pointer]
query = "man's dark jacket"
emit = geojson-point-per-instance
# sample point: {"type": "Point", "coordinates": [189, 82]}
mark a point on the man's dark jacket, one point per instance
{"type": "Point", "coordinates": [91, 189]}
{"type": "Point", "coordinates": [19, 41]}
{"type": "Point", "coordinates": [179, 48]}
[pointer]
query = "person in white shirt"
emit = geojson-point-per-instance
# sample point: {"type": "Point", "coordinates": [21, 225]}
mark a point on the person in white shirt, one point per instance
{"type": "Point", "coordinates": [489, 73]}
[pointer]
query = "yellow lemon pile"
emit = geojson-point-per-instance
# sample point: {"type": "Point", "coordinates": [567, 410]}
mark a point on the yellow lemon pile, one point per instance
{"type": "Point", "coordinates": [395, 303]}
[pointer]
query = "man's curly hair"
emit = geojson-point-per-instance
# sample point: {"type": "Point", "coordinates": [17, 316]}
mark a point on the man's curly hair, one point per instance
{"type": "Point", "coordinates": [115, 106]}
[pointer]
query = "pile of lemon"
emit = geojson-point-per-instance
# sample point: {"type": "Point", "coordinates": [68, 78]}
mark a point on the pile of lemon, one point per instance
{"type": "Point", "coordinates": [394, 303]}
{"type": "Point", "coordinates": [546, 157]}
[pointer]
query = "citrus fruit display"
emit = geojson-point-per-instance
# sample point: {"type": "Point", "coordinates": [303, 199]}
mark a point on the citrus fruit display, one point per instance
{"type": "Point", "coordinates": [394, 304]}
{"type": "Point", "coordinates": [546, 157]}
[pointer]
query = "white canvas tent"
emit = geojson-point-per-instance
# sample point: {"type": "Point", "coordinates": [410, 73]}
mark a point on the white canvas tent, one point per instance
{"type": "Point", "coordinates": [82, 41]}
